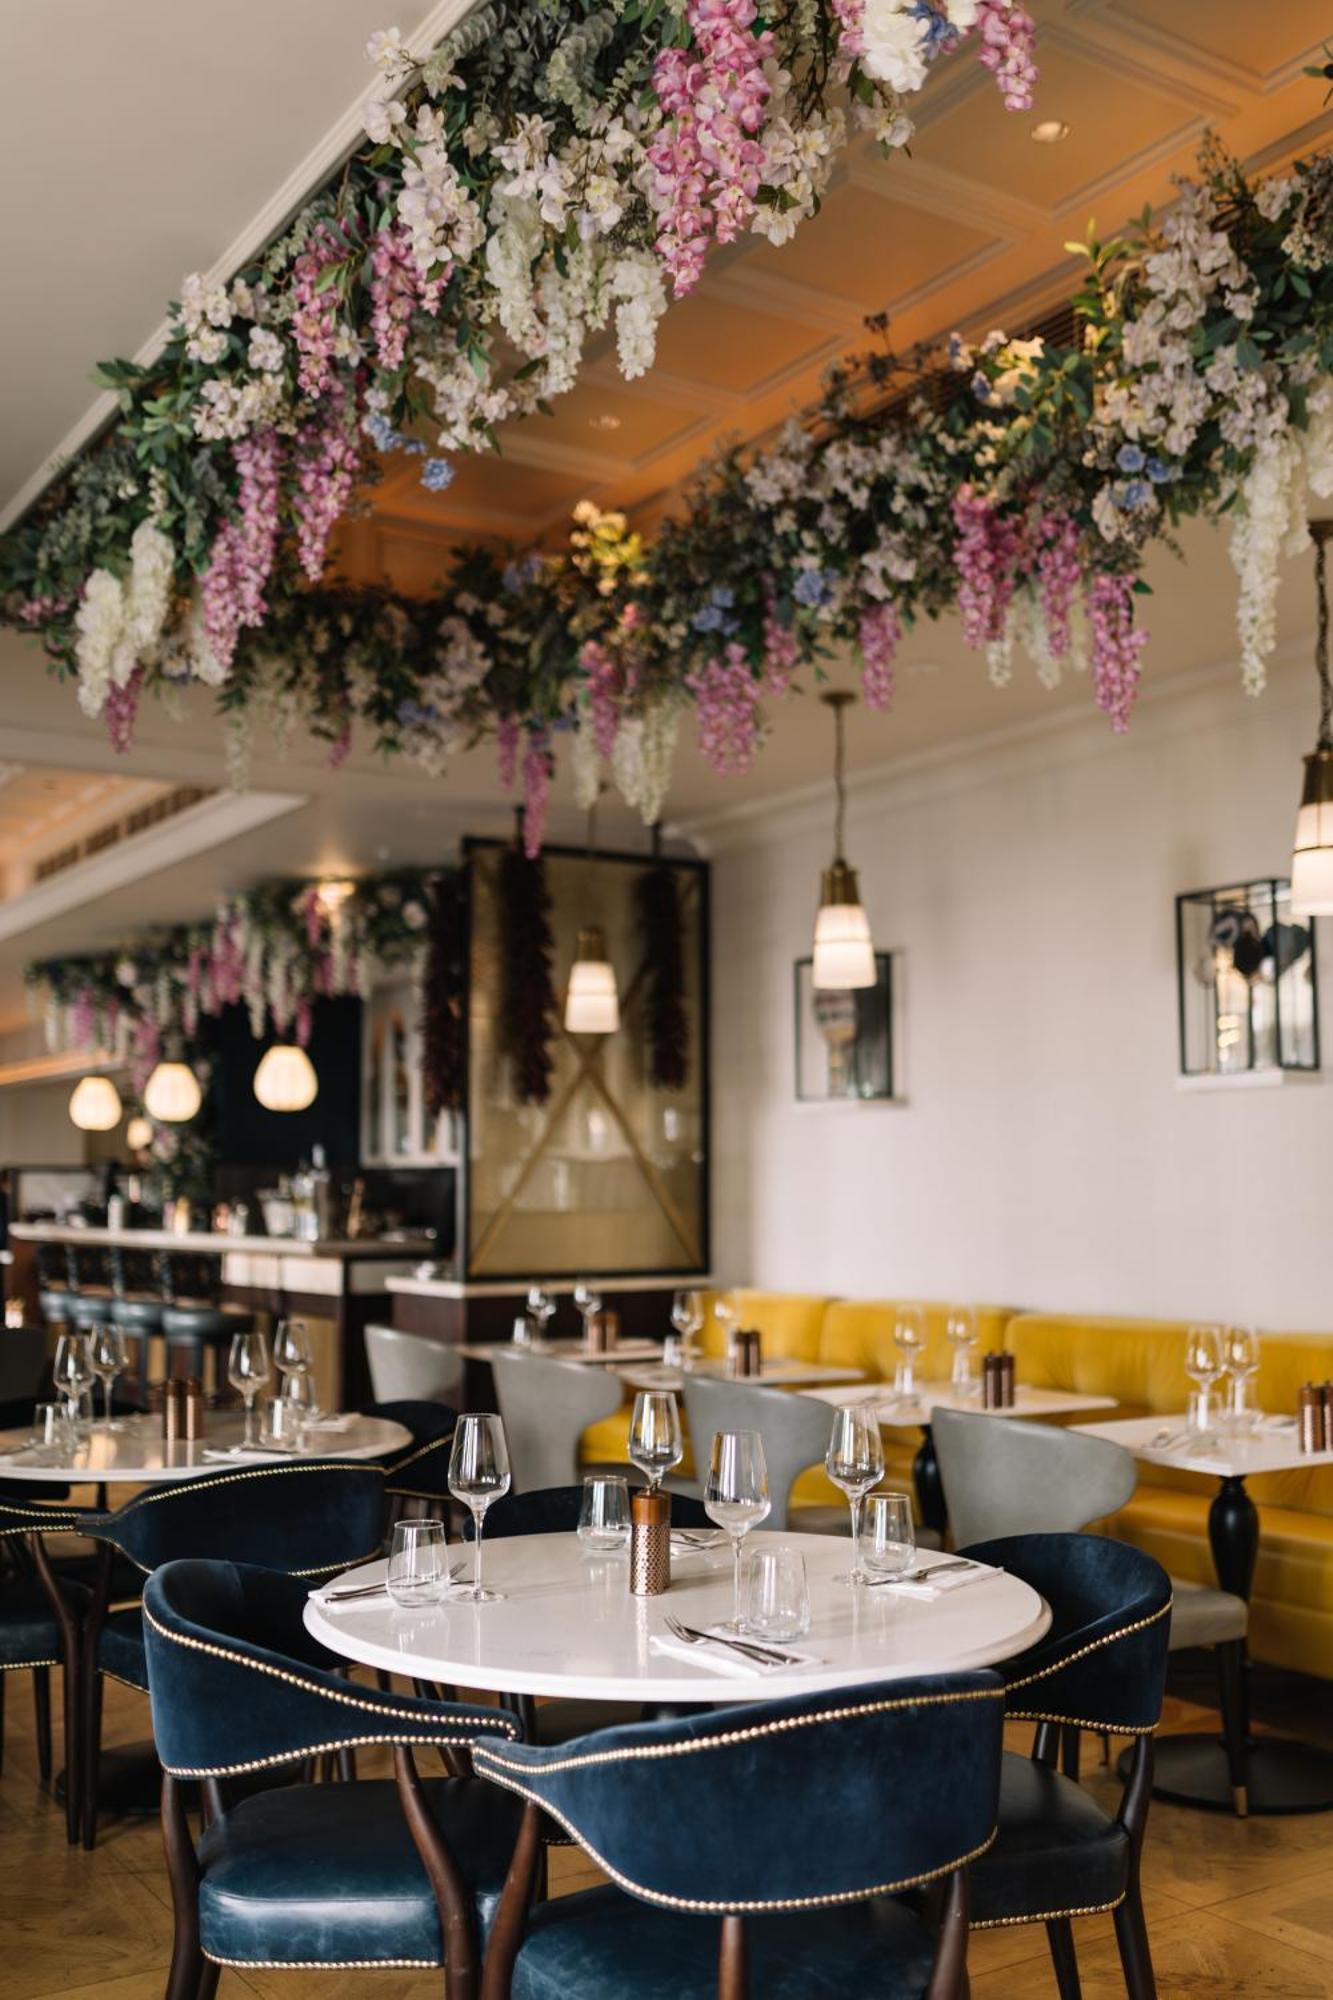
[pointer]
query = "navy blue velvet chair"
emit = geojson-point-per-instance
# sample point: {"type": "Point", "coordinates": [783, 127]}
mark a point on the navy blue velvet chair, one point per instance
{"type": "Point", "coordinates": [372, 1873]}
{"type": "Point", "coordinates": [418, 1475]}
{"type": "Point", "coordinates": [759, 1849]}
{"type": "Point", "coordinates": [1102, 1665]}
{"type": "Point", "coordinates": [308, 1520]}
{"type": "Point", "coordinates": [40, 1616]}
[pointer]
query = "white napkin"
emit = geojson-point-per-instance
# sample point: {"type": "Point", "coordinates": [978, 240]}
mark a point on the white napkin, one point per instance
{"type": "Point", "coordinates": [723, 1659]}
{"type": "Point", "coordinates": [333, 1424]}
{"type": "Point", "coordinates": [685, 1542]}
{"type": "Point", "coordinates": [351, 1579]}
{"type": "Point", "coordinates": [927, 1591]}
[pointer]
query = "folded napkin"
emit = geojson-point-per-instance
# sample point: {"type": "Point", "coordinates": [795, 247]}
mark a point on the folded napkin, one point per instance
{"type": "Point", "coordinates": [333, 1423]}
{"type": "Point", "coordinates": [723, 1659]}
{"type": "Point", "coordinates": [928, 1586]}
{"type": "Point", "coordinates": [697, 1542]}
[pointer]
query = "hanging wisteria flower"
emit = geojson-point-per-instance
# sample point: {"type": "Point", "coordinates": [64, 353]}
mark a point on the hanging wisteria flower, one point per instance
{"type": "Point", "coordinates": [1116, 645]}
{"type": "Point", "coordinates": [727, 696]}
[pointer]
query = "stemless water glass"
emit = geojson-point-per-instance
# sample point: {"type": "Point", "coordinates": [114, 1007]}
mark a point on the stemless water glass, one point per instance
{"type": "Point", "coordinates": [588, 1301]}
{"type": "Point", "coordinates": [520, 1333]}
{"type": "Point", "coordinates": [106, 1358]}
{"type": "Point", "coordinates": [541, 1308]}
{"type": "Point", "coordinates": [479, 1475]}
{"type": "Point", "coordinates": [51, 1429]}
{"type": "Point", "coordinates": [736, 1496]}
{"type": "Point", "coordinates": [687, 1317]}
{"type": "Point", "coordinates": [1240, 1352]}
{"type": "Point", "coordinates": [960, 1330]}
{"type": "Point", "coordinates": [604, 1514]}
{"type": "Point", "coordinates": [71, 1372]}
{"type": "Point", "coordinates": [855, 1462]}
{"type": "Point", "coordinates": [775, 1597]}
{"type": "Point", "coordinates": [248, 1371]}
{"type": "Point", "coordinates": [888, 1545]}
{"type": "Point", "coordinates": [418, 1570]}
{"type": "Point", "coordinates": [1203, 1364]}
{"type": "Point", "coordinates": [909, 1337]}
{"type": "Point", "coordinates": [655, 1440]}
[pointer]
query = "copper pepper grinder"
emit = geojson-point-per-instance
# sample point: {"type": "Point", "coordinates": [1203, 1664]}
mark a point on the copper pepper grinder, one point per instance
{"type": "Point", "coordinates": [649, 1543]}
{"type": "Point", "coordinates": [192, 1427]}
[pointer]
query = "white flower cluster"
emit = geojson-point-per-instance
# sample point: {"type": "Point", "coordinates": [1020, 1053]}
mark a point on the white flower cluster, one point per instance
{"type": "Point", "coordinates": [644, 758]}
{"type": "Point", "coordinates": [234, 408]}
{"type": "Point", "coordinates": [434, 206]}
{"type": "Point", "coordinates": [1271, 521]}
{"type": "Point", "coordinates": [897, 39]}
{"type": "Point", "coordinates": [207, 311]}
{"type": "Point", "coordinates": [119, 624]}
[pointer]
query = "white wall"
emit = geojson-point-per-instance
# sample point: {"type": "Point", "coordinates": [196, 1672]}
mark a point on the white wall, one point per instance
{"type": "Point", "coordinates": [1044, 1155]}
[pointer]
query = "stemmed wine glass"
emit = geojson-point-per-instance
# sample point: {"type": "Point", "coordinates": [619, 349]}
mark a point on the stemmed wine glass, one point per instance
{"type": "Point", "coordinates": [541, 1308]}
{"type": "Point", "coordinates": [909, 1337]}
{"type": "Point", "coordinates": [655, 1439]}
{"type": "Point", "coordinates": [855, 1462]}
{"type": "Point", "coordinates": [248, 1371]}
{"type": "Point", "coordinates": [1240, 1351]}
{"type": "Point", "coordinates": [588, 1300]}
{"type": "Point", "coordinates": [1203, 1364]}
{"type": "Point", "coordinates": [687, 1316]}
{"type": "Point", "coordinates": [72, 1372]}
{"type": "Point", "coordinates": [478, 1475]}
{"type": "Point", "coordinates": [736, 1497]}
{"type": "Point", "coordinates": [724, 1312]}
{"type": "Point", "coordinates": [294, 1359]}
{"type": "Point", "coordinates": [960, 1330]}
{"type": "Point", "coordinates": [106, 1358]}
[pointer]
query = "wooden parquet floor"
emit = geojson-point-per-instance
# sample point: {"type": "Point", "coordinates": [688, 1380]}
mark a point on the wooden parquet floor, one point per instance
{"type": "Point", "coordinates": [1236, 1910]}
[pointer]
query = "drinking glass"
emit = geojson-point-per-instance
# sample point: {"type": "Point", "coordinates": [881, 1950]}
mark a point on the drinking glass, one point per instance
{"type": "Point", "coordinates": [478, 1475]}
{"type": "Point", "coordinates": [724, 1312]}
{"type": "Point", "coordinates": [292, 1352]}
{"type": "Point", "coordinates": [418, 1570]}
{"type": "Point", "coordinates": [673, 1352]}
{"type": "Point", "coordinates": [736, 1496]}
{"type": "Point", "coordinates": [298, 1393]}
{"type": "Point", "coordinates": [541, 1308]}
{"type": "Point", "coordinates": [71, 1372]}
{"type": "Point", "coordinates": [775, 1597]}
{"type": "Point", "coordinates": [960, 1330]}
{"type": "Point", "coordinates": [855, 1462]}
{"type": "Point", "coordinates": [909, 1337]}
{"type": "Point", "coordinates": [1204, 1362]}
{"type": "Point", "coordinates": [106, 1358]}
{"type": "Point", "coordinates": [655, 1441]}
{"type": "Point", "coordinates": [248, 1371]}
{"type": "Point", "coordinates": [284, 1421]}
{"type": "Point", "coordinates": [520, 1333]}
{"type": "Point", "coordinates": [1240, 1351]}
{"type": "Point", "coordinates": [604, 1514]}
{"type": "Point", "coordinates": [890, 1537]}
{"type": "Point", "coordinates": [52, 1430]}
{"type": "Point", "coordinates": [687, 1316]}
{"type": "Point", "coordinates": [588, 1301]}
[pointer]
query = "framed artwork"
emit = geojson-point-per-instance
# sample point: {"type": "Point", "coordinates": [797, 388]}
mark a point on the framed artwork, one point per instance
{"type": "Point", "coordinates": [844, 1041]}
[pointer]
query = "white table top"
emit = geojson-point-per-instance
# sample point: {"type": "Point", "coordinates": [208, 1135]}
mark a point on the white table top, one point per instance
{"type": "Point", "coordinates": [564, 1350]}
{"type": "Point", "coordinates": [138, 1454]}
{"type": "Point", "coordinates": [1274, 1447]}
{"type": "Point", "coordinates": [569, 1626]}
{"type": "Point", "coordinates": [896, 1415]}
{"type": "Point", "coordinates": [780, 1372]}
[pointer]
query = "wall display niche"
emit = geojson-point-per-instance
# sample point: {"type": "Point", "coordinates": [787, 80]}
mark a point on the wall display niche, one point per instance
{"type": "Point", "coordinates": [585, 1152]}
{"type": "Point", "coordinates": [1247, 983]}
{"type": "Point", "coordinates": [844, 1040]}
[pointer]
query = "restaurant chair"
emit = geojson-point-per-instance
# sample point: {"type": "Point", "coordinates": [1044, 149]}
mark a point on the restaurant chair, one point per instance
{"type": "Point", "coordinates": [417, 1479]}
{"type": "Point", "coordinates": [40, 1616]}
{"type": "Point", "coordinates": [546, 1406]}
{"type": "Point", "coordinates": [411, 1367]}
{"type": "Point", "coordinates": [1008, 1477]}
{"type": "Point", "coordinates": [196, 1321]}
{"type": "Point", "coordinates": [400, 1872]}
{"type": "Point", "coordinates": [310, 1520]}
{"type": "Point", "coordinates": [795, 1430]}
{"type": "Point", "coordinates": [1102, 1665]}
{"type": "Point", "coordinates": [758, 1850]}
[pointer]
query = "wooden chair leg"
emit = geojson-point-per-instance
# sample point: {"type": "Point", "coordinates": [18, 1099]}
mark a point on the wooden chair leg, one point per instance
{"type": "Point", "coordinates": [1131, 1936]}
{"type": "Point", "coordinates": [90, 1749]}
{"type": "Point", "coordinates": [1235, 1735]}
{"type": "Point", "coordinates": [1060, 1934]}
{"type": "Point", "coordinates": [3, 1678]}
{"type": "Point", "coordinates": [948, 1978]}
{"type": "Point", "coordinates": [208, 1979]}
{"type": "Point", "coordinates": [41, 1703]}
{"type": "Point", "coordinates": [733, 1965]}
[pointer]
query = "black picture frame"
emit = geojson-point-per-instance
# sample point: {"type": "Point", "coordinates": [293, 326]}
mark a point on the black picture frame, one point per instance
{"type": "Point", "coordinates": [868, 1015]}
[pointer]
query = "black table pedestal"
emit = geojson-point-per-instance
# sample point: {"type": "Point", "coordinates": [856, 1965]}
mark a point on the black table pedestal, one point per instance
{"type": "Point", "coordinates": [930, 1502]}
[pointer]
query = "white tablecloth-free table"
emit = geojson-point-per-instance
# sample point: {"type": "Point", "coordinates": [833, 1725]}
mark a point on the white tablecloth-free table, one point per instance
{"type": "Point", "coordinates": [137, 1454]}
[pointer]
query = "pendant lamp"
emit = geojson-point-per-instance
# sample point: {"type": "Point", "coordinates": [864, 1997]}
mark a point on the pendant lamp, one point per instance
{"type": "Point", "coordinates": [285, 1079]}
{"type": "Point", "coordinates": [844, 955]}
{"type": "Point", "coordinates": [172, 1094]}
{"type": "Point", "coordinates": [592, 1002]}
{"type": "Point", "coordinates": [94, 1104]}
{"type": "Point", "coordinates": [1312, 860]}
{"type": "Point", "coordinates": [139, 1134]}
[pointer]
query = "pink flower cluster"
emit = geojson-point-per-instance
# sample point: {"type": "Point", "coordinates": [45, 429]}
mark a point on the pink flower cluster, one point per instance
{"type": "Point", "coordinates": [82, 1020]}
{"type": "Point", "coordinates": [1116, 645]}
{"type": "Point", "coordinates": [226, 964]}
{"type": "Point", "coordinates": [37, 610]}
{"type": "Point", "coordinates": [327, 463]}
{"type": "Point", "coordinates": [1008, 42]}
{"type": "Point", "coordinates": [314, 312]}
{"type": "Point", "coordinates": [122, 711]}
{"type": "Point", "coordinates": [727, 694]}
{"type": "Point", "coordinates": [849, 15]}
{"type": "Point", "coordinates": [985, 554]}
{"type": "Point", "coordinates": [880, 635]}
{"type": "Point", "coordinates": [707, 162]}
{"type": "Point", "coordinates": [241, 559]}
{"type": "Point", "coordinates": [537, 762]}
{"type": "Point", "coordinates": [509, 735]}
{"type": "Point", "coordinates": [397, 288]}
{"type": "Point", "coordinates": [1058, 577]}
{"type": "Point", "coordinates": [781, 653]}
{"type": "Point", "coordinates": [604, 685]}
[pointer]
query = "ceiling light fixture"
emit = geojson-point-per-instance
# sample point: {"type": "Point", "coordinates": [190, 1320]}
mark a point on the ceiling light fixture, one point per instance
{"type": "Point", "coordinates": [592, 1000]}
{"type": "Point", "coordinates": [94, 1104]}
{"type": "Point", "coordinates": [172, 1094]}
{"type": "Point", "coordinates": [285, 1079]}
{"type": "Point", "coordinates": [139, 1134]}
{"type": "Point", "coordinates": [1050, 131]}
{"type": "Point", "coordinates": [1312, 859]}
{"type": "Point", "coordinates": [844, 956]}
{"type": "Point", "coordinates": [605, 420]}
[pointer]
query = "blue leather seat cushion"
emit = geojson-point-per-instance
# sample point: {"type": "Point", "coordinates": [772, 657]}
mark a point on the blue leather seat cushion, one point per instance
{"type": "Point", "coordinates": [605, 1945]}
{"type": "Point", "coordinates": [329, 1874]}
{"type": "Point", "coordinates": [120, 1648]}
{"type": "Point", "coordinates": [29, 1634]}
{"type": "Point", "coordinates": [1056, 1849]}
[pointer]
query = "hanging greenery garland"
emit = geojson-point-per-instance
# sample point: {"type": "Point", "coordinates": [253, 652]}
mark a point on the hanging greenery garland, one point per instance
{"type": "Point", "coordinates": [527, 986]}
{"type": "Point", "coordinates": [442, 1020]}
{"type": "Point", "coordinates": [662, 939]}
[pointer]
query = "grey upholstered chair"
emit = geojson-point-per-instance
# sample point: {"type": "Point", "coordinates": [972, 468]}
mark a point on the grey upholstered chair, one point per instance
{"type": "Point", "coordinates": [1006, 1477]}
{"type": "Point", "coordinates": [411, 1367]}
{"type": "Point", "coordinates": [795, 1430]}
{"type": "Point", "coordinates": [546, 1407]}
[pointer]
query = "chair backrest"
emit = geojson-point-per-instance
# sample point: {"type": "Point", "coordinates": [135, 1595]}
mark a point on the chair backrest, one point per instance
{"type": "Point", "coordinates": [307, 1520]}
{"type": "Point", "coordinates": [1003, 1476]}
{"type": "Point", "coordinates": [411, 1367]}
{"type": "Point", "coordinates": [421, 1471]}
{"type": "Point", "coordinates": [795, 1430]}
{"type": "Point", "coordinates": [554, 1510]}
{"type": "Point", "coordinates": [888, 1784]}
{"type": "Point", "coordinates": [237, 1684]}
{"type": "Point", "coordinates": [546, 1407]}
{"type": "Point", "coordinates": [1103, 1661]}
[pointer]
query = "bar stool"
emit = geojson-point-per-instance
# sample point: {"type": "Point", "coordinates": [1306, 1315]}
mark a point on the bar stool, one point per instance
{"type": "Point", "coordinates": [194, 1329]}
{"type": "Point", "coordinates": [136, 1307]}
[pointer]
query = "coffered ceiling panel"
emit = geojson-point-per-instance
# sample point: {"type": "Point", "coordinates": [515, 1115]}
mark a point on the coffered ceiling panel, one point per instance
{"type": "Point", "coordinates": [732, 347]}
{"type": "Point", "coordinates": [1260, 39]}
{"type": "Point", "coordinates": [870, 251]}
{"type": "Point", "coordinates": [603, 417]}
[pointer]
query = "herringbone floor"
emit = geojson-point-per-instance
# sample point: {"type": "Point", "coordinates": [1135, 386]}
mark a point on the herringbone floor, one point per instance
{"type": "Point", "coordinates": [1234, 1909]}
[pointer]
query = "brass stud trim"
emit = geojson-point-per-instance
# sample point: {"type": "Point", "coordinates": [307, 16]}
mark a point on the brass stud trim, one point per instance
{"type": "Point", "coordinates": [1094, 1646]}
{"type": "Point", "coordinates": [1045, 1916]}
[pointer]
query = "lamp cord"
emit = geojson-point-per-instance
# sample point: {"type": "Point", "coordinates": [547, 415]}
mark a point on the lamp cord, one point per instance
{"type": "Point", "coordinates": [839, 781]}
{"type": "Point", "coordinates": [1322, 529]}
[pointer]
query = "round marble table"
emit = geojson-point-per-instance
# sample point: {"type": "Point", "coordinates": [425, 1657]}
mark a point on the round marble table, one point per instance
{"type": "Point", "coordinates": [568, 1626]}
{"type": "Point", "coordinates": [137, 1454]}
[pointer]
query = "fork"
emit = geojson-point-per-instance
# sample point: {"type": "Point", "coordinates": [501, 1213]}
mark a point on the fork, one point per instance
{"type": "Point", "coordinates": [767, 1656]}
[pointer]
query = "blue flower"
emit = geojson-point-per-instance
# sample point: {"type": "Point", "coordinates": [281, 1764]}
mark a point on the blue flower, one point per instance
{"type": "Point", "coordinates": [1129, 458]}
{"type": "Point", "coordinates": [1157, 472]}
{"type": "Point", "coordinates": [939, 32]}
{"type": "Point", "coordinates": [381, 432]}
{"type": "Point", "coordinates": [1134, 493]}
{"type": "Point", "coordinates": [709, 619]}
{"type": "Point", "coordinates": [981, 387]}
{"type": "Point", "coordinates": [724, 596]}
{"type": "Point", "coordinates": [809, 587]}
{"type": "Point", "coordinates": [436, 474]}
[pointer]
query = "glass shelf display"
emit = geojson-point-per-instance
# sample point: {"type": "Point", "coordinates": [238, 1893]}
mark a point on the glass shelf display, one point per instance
{"type": "Point", "coordinates": [1247, 982]}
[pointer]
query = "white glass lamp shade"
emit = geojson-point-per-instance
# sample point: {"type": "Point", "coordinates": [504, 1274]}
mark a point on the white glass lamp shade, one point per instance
{"type": "Point", "coordinates": [285, 1079]}
{"type": "Point", "coordinates": [94, 1104]}
{"type": "Point", "coordinates": [844, 955]}
{"type": "Point", "coordinates": [172, 1094]}
{"type": "Point", "coordinates": [592, 1004]}
{"type": "Point", "coordinates": [139, 1134]}
{"type": "Point", "coordinates": [1312, 861]}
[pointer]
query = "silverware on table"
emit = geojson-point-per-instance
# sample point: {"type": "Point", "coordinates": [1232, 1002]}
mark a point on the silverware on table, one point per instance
{"type": "Point", "coordinates": [936, 1569]}
{"type": "Point", "coordinates": [766, 1656]}
{"type": "Point", "coordinates": [380, 1589]}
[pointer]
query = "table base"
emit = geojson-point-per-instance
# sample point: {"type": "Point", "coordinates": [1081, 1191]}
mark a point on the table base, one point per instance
{"type": "Point", "coordinates": [129, 1783]}
{"type": "Point", "coordinates": [1285, 1775]}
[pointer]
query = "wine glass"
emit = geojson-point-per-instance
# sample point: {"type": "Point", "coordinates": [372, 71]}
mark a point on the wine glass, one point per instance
{"type": "Point", "coordinates": [588, 1301]}
{"type": "Point", "coordinates": [960, 1330]}
{"type": "Point", "coordinates": [72, 1372]}
{"type": "Point", "coordinates": [478, 1475]}
{"type": "Point", "coordinates": [292, 1352]}
{"type": "Point", "coordinates": [909, 1337]}
{"type": "Point", "coordinates": [541, 1308]}
{"type": "Point", "coordinates": [736, 1497]}
{"type": "Point", "coordinates": [687, 1316]}
{"type": "Point", "coordinates": [106, 1358]}
{"type": "Point", "coordinates": [1204, 1362]}
{"type": "Point", "coordinates": [418, 1571]}
{"type": "Point", "coordinates": [655, 1440]}
{"type": "Point", "coordinates": [1240, 1351]}
{"type": "Point", "coordinates": [855, 1462]}
{"type": "Point", "coordinates": [890, 1535]}
{"type": "Point", "coordinates": [248, 1371]}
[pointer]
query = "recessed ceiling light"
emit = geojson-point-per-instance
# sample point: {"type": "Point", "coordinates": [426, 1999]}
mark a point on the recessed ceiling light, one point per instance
{"type": "Point", "coordinates": [605, 421]}
{"type": "Point", "coordinates": [1050, 131]}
